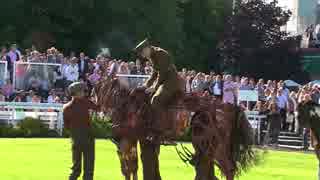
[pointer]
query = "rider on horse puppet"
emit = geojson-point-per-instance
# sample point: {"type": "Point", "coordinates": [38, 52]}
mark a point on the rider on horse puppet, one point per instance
{"type": "Point", "coordinates": [164, 84]}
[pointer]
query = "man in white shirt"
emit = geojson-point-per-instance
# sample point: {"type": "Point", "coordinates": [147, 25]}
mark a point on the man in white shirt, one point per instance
{"type": "Point", "coordinates": [72, 71]}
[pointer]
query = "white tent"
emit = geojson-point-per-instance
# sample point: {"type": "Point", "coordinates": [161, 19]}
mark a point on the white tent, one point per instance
{"type": "Point", "coordinates": [291, 83]}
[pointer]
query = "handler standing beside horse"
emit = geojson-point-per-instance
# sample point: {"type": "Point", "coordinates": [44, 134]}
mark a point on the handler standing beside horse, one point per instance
{"type": "Point", "coordinates": [77, 120]}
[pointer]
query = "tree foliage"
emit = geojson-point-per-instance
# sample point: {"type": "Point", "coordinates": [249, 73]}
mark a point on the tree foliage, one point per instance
{"type": "Point", "coordinates": [178, 25]}
{"type": "Point", "coordinates": [256, 45]}
{"type": "Point", "coordinates": [190, 29]}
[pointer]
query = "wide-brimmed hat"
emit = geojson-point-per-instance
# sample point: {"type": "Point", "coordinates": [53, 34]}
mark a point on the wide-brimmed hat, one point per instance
{"type": "Point", "coordinates": [141, 45]}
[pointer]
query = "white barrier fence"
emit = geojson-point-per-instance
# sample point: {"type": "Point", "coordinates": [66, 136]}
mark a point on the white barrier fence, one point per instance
{"type": "Point", "coordinates": [51, 114]}
{"type": "Point", "coordinates": [255, 121]}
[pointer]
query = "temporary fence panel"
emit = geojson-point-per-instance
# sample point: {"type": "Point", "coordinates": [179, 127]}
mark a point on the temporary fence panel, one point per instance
{"type": "Point", "coordinates": [28, 75]}
{"type": "Point", "coordinates": [50, 113]}
{"type": "Point", "coordinates": [255, 121]}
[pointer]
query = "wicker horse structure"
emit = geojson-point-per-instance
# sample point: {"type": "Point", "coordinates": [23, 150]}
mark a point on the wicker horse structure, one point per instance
{"type": "Point", "coordinates": [221, 134]}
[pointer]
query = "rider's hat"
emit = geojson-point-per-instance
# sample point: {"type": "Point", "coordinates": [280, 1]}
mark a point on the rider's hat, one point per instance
{"type": "Point", "coordinates": [141, 45]}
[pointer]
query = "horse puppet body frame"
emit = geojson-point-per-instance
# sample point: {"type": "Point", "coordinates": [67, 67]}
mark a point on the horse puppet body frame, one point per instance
{"type": "Point", "coordinates": [221, 134]}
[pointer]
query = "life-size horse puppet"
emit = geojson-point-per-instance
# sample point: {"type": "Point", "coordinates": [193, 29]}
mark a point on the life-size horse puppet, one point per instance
{"type": "Point", "coordinates": [221, 134]}
{"type": "Point", "coordinates": [309, 117]}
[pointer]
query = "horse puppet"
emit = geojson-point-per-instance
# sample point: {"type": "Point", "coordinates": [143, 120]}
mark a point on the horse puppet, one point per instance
{"type": "Point", "coordinates": [309, 117]}
{"type": "Point", "coordinates": [221, 134]}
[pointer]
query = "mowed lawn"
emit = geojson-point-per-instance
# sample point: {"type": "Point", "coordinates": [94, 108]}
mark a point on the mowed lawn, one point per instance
{"type": "Point", "coordinates": [50, 159]}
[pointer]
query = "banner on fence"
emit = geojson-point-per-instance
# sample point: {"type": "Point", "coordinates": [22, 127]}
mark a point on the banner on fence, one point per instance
{"type": "Point", "coordinates": [248, 95]}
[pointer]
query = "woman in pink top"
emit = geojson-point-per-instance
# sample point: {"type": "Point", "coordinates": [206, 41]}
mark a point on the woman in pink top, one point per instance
{"type": "Point", "coordinates": [229, 90]}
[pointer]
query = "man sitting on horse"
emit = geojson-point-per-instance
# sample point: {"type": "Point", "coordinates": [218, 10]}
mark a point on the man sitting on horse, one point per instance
{"type": "Point", "coordinates": [164, 83]}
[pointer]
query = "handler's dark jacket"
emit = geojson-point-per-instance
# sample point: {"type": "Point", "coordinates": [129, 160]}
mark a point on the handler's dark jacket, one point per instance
{"type": "Point", "coordinates": [76, 113]}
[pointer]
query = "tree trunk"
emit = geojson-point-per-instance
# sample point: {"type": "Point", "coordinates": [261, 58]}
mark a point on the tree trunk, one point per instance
{"type": "Point", "coordinates": [150, 160]}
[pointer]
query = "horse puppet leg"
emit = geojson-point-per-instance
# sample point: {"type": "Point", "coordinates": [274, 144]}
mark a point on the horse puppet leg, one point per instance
{"type": "Point", "coordinates": [150, 160]}
{"type": "Point", "coordinates": [204, 168]}
{"type": "Point", "coordinates": [127, 152]}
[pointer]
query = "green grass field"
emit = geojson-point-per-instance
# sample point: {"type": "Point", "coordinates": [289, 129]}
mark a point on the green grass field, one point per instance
{"type": "Point", "coordinates": [50, 159]}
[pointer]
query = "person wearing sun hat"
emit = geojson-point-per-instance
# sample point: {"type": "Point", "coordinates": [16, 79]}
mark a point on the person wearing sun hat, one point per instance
{"type": "Point", "coordinates": [77, 120]}
{"type": "Point", "coordinates": [164, 83]}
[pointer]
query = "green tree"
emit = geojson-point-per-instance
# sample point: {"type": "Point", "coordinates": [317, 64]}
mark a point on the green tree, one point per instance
{"type": "Point", "coordinates": [256, 45]}
{"type": "Point", "coordinates": [203, 21]}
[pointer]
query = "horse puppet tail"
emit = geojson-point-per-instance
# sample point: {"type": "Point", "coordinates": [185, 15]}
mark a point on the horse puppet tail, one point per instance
{"type": "Point", "coordinates": [242, 152]}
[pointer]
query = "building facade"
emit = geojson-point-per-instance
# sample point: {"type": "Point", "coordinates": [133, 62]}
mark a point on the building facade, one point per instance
{"type": "Point", "coordinates": [304, 13]}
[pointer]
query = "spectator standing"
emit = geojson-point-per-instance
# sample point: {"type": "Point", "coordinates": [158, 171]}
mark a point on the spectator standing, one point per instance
{"type": "Point", "coordinates": [52, 97]}
{"type": "Point", "coordinates": [291, 115]}
{"type": "Point", "coordinates": [270, 85]}
{"type": "Point", "coordinates": [14, 53]}
{"type": "Point", "coordinates": [252, 84]}
{"type": "Point", "coordinates": [124, 70]}
{"type": "Point", "coordinates": [229, 90]}
{"type": "Point", "coordinates": [188, 83]}
{"type": "Point", "coordinates": [282, 101]}
{"type": "Point", "coordinates": [147, 70]}
{"type": "Point", "coordinates": [58, 78]}
{"type": "Point", "coordinates": [5, 57]}
{"type": "Point", "coordinates": [261, 90]}
{"type": "Point", "coordinates": [140, 68]}
{"type": "Point", "coordinates": [217, 87]}
{"type": "Point", "coordinates": [51, 55]}
{"type": "Point", "coordinates": [198, 84]}
{"type": "Point", "coordinates": [237, 81]}
{"type": "Point", "coordinates": [245, 84]}
{"type": "Point", "coordinates": [72, 72]}
{"type": "Point", "coordinates": [30, 96]}
{"type": "Point", "coordinates": [83, 65]}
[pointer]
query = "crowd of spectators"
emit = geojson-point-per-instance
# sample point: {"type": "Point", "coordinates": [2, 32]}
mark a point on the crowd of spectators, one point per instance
{"type": "Point", "coordinates": [43, 77]}
{"type": "Point", "coordinates": [312, 36]}
{"type": "Point", "coordinates": [276, 100]}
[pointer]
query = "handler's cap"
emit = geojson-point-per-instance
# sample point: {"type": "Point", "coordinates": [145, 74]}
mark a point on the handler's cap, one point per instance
{"type": "Point", "coordinates": [141, 45]}
{"type": "Point", "coordinates": [76, 88]}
